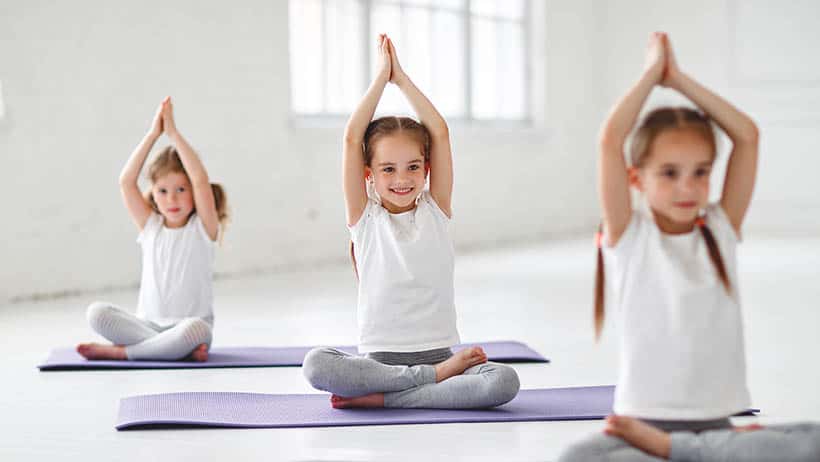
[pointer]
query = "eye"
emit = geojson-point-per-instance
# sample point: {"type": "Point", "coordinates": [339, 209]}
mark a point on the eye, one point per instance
{"type": "Point", "coordinates": [180, 189]}
{"type": "Point", "coordinates": [414, 167]}
{"type": "Point", "coordinates": [388, 170]}
{"type": "Point", "coordinates": [701, 172]}
{"type": "Point", "coordinates": [163, 190]}
{"type": "Point", "coordinates": [670, 173]}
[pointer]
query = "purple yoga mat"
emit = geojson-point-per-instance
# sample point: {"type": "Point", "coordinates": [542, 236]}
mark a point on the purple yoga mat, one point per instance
{"type": "Point", "coordinates": [256, 410]}
{"type": "Point", "coordinates": [69, 359]}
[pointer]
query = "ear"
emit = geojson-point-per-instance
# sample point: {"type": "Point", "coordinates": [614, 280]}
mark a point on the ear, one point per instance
{"type": "Point", "coordinates": [635, 178]}
{"type": "Point", "coordinates": [368, 174]}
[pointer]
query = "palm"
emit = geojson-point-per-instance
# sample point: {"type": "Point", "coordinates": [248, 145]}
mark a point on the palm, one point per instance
{"type": "Point", "coordinates": [397, 72]}
{"type": "Point", "coordinates": [656, 57]}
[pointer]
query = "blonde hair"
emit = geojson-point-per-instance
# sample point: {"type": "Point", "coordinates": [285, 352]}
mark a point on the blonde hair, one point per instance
{"type": "Point", "coordinates": [656, 122]}
{"type": "Point", "coordinates": [168, 161]}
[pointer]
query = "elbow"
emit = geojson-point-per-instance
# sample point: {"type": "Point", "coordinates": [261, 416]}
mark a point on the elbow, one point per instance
{"type": "Point", "coordinates": [351, 137]}
{"type": "Point", "coordinates": [751, 135]}
{"type": "Point", "coordinates": [126, 180]}
{"type": "Point", "coordinates": [608, 142]}
{"type": "Point", "coordinates": [200, 182]}
{"type": "Point", "coordinates": [442, 131]}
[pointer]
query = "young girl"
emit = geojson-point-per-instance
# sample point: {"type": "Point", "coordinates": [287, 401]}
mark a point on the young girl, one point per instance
{"type": "Point", "coordinates": [179, 221]}
{"type": "Point", "coordinates": [404, 260]}
{"type": "Point", "coordinates": [672, 267]}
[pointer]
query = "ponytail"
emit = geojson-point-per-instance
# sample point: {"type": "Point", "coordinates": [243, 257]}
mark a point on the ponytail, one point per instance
{"type": "Point", "coordinates": [599, 285]}
{"type": "Point", "coordinates": [353, 260]}
{"type": "Point", "coordinates": [220, 203]}
{"type": "Point", "coordinates": [714, 253]}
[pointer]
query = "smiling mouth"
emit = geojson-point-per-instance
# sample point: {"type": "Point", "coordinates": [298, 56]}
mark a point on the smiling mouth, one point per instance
{"type": "Point", "coordinates": [401, 191]}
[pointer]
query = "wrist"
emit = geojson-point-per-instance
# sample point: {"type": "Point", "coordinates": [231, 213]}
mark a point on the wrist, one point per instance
{"type": "Point", "coordinates": [651, 77]}
{"type": "Point", "coordinates": [382, 78]}
{"type": "Point", "coordinates": [676, 80]}
{"type": "Point", "coordinates": [401, 80]}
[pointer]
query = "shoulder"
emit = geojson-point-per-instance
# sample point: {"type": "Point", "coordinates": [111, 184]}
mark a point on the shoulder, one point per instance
{"type": "Point", "coordinates": [152, 225]}
{"type": "Point", "coordinates": [196, 225]}
{"type": "Point", "coordinates": [428, 201]}
{"type": "Point", "coordinates": [718, 222]}
{"type": "Point", "coordinates": [371, 210]}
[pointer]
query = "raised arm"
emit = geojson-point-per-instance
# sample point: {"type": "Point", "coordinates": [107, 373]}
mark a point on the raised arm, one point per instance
{"type": "Point", "coordinates": [201, 184]}
{"type": "Point", "coordinates": [138, 208]}
{"type": "Point", "coordinates": [613, 177]}
{"type": "Point", "coordinates": [742, 169]}
{"type": "Point", "coordinates": [441, 157]}
{"type": "Point", "coordinates": [352, 152]}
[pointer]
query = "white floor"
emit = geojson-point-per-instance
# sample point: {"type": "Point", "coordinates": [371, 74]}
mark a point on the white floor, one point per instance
{"type": "Point", "coordinates": [537, 294]}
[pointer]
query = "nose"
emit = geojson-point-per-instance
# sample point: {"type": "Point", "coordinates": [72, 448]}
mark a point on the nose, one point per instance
{"type": "Point", "coordinates": [688, 183]}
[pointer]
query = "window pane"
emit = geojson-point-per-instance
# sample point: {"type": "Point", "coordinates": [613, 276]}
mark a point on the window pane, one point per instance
{"type": "Point", "coordinates": [511, 72]}
{"type": "Point", "coordinates": [449, 75]}
{"type": "Point", "coordinates": [344, 71]}
{"type": "Point", "coordinates": [509, 9]}
{"type": "Point", "coordinates": [306, 56]}
{"type": "Point", "coordinates": [498, 70]}
{"type": "Point", "coordinates": [484, 65]}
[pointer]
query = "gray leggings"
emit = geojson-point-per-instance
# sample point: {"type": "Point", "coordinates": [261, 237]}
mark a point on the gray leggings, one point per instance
{"type": "Point", "coordinates": [783, 443]}
{"type": "Point", "coordinates": [144, 339]}
{"type": "Point", "coordinates": [409, 386]}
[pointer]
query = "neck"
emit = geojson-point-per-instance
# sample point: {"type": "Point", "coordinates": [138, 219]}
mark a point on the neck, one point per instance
{"type": "Point", "coordinates": [393, 208]}
{"type": "Point", "coordinates": [670, 226]}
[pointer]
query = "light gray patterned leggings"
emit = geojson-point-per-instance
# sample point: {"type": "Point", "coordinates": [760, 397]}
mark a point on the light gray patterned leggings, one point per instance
{"type": "Point", "coordinates": [410, 385]}
{"type": "Point", "coordinates": [145, 340]}
{"type": "Point", "coordinates": [782, 443]}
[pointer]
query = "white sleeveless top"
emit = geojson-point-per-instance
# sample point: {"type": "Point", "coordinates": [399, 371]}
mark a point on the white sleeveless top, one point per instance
{"type": "Point", "coordinates": [177, 272]}
{"type": "Point", "coordinates": [681, 334]}
{"type": "Point", "coordinates": [405, 263]}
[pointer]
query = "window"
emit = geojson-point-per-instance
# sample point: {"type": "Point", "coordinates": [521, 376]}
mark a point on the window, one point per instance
{"type": "Point", "coordinates": [468, 56]}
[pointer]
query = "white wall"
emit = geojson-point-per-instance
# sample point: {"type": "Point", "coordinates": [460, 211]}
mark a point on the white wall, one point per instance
{"type": "Point", "coordinates": [81, 80]}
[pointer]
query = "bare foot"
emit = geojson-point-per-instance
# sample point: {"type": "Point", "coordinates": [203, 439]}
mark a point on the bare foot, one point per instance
{"type": "Point", "coordinates": [460, 362]}
{"type": "Point", "coordinates": [371, 400]}
{"type": "Point", "coordinates": [98, 351]}
{"type": "Point", "coordinates": [200, 354]}
{"type": "Point", "coordinates": [748, 428]}
{"type": "Point", "coordinates": [639, 434]}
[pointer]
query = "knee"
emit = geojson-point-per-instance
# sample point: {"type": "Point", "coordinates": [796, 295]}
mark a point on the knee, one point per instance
{"type": "Point", "coordinates": [505, 384]}
{"type": "Point", "coordinates": [315, 366]}
{"type": "Point", "coordinates": [197, 331]}
{"type": "Point", "coordinates": [97, 313]}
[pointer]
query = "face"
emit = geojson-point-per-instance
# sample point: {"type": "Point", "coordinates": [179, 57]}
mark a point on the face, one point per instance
{"type": "Point", "coordinates": [398, 171]}
{"type": "Point", "coordinates": [174, 197]}
{"type": "Point", "coordinates": [675, 178]}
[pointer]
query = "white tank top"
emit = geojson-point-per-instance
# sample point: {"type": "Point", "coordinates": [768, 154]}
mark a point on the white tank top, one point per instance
{"type": "Point", "coordinates": [681, 334]}
{"type": "Point", "coordinates": [405, 264]}
{"type": "Point", "coordinates": [177, 271]}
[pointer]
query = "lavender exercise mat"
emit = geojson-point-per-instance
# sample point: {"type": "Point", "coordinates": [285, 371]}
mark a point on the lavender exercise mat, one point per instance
{"type": "Point", "coordinates": [69, 359]}
{"type": "Point", "coordinates": [256, 410]}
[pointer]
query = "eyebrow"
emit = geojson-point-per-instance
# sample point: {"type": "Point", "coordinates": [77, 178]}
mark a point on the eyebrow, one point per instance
{"type": "Point", "coordinates": [701, 164]}
{"type": "Point", "coordinates": [417, 161]}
